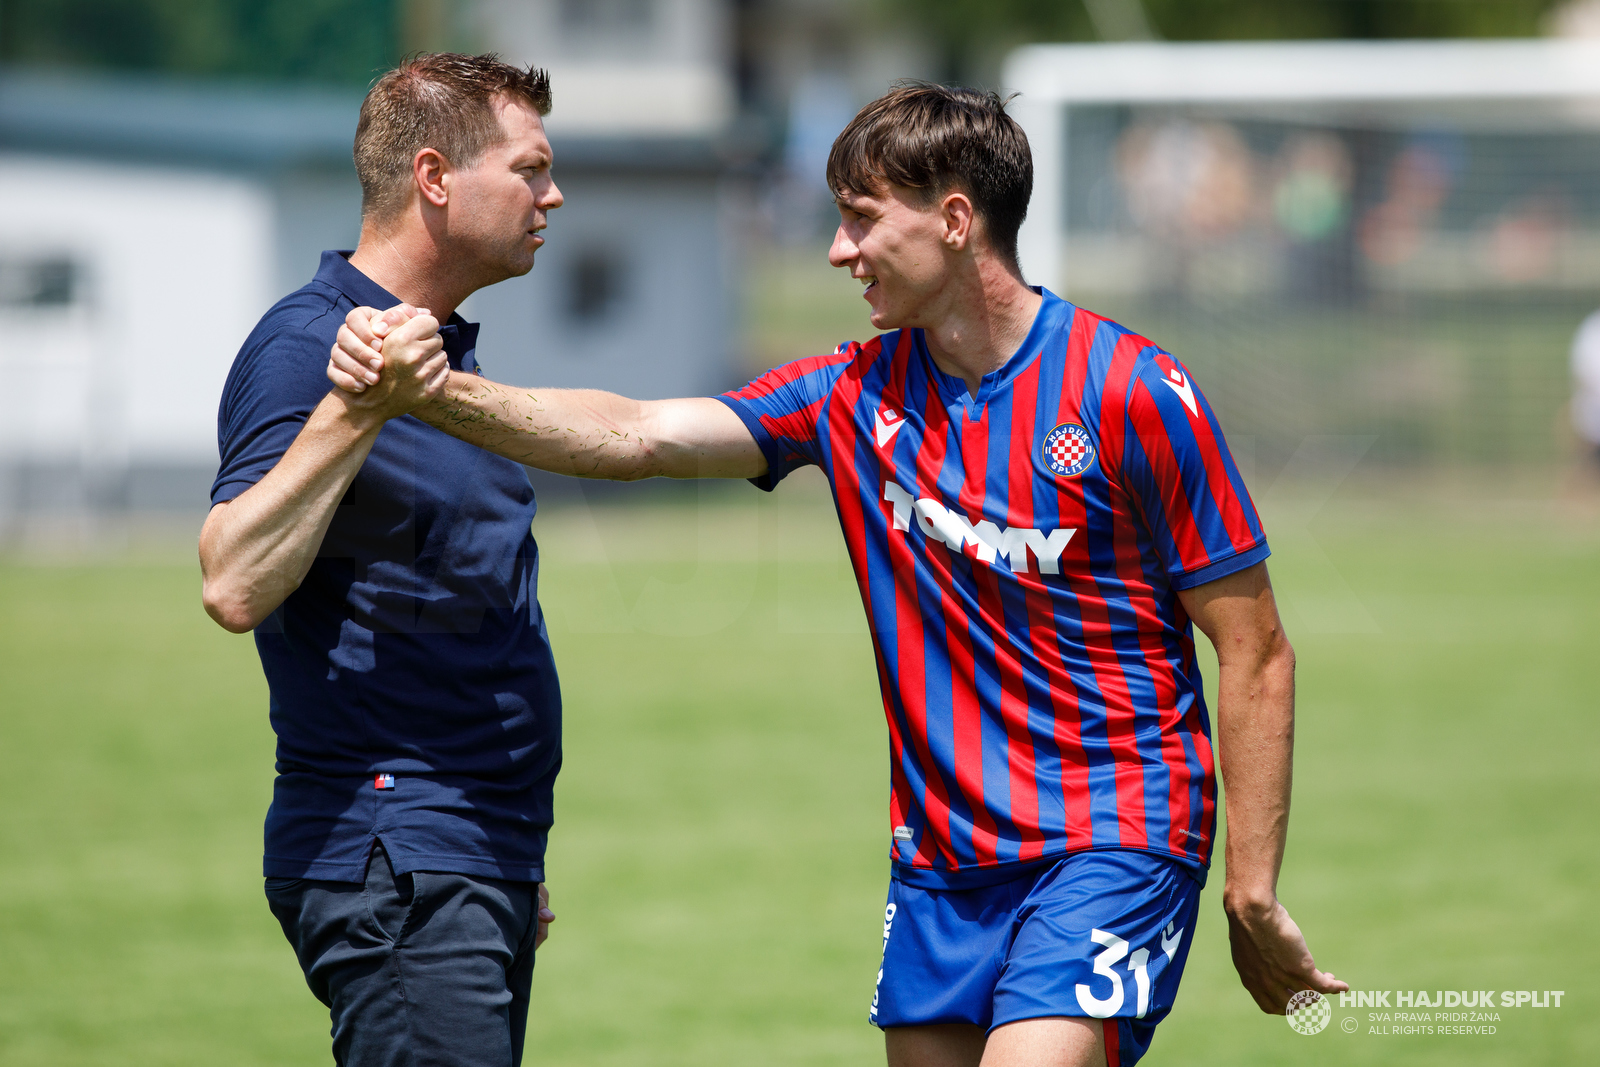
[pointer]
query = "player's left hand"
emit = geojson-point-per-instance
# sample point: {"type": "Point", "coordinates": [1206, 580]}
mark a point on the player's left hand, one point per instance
{"type": "Point", "coordinates": [1272, 958]}
{"type": "Point", "coordinates": [546, 916]}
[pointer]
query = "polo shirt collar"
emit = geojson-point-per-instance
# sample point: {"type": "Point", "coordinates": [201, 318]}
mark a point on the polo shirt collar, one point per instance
{"type": "Point", "coordinates": [460, 336]}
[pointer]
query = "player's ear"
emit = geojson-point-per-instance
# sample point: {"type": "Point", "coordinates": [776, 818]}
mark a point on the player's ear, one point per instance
{"type": "Point", "coordinates": [431, 171]}
{"type": "Point", "coordinates": [957, 214]}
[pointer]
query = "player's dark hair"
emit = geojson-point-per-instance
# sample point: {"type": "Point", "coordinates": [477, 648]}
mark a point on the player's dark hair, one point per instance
{"type": "Point", "coordinates": [935, 138]}
{"type": "Point", "coordinates": [439, 100]}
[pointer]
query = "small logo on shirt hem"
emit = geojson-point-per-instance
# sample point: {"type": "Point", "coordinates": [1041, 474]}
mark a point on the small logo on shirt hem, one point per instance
{"type": "Point", "coordinates": [383, 781]}
{"type": "Point", "coordinates": [1068, 450]}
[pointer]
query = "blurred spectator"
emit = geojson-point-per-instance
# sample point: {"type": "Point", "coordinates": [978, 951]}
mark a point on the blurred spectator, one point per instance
{"type": "Point", "coordinates": [1186, 184]}
{"type": "Point", "coordinates": [1586, 385]}
{"type": "Point", "coordinates": [1311, 206]}
{"type": "Point", "coordinates": [1419, 182]}
{"type": "Point", "coordinates": [1312, 198]}
{"type": "Point", "coordinates": [1187, 179]}
{"type": "Point", "coordinates": [1524, 239]}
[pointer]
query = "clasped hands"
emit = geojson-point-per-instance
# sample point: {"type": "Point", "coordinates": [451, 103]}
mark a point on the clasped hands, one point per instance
{"type": "Point", "coordinates": [389, 362]}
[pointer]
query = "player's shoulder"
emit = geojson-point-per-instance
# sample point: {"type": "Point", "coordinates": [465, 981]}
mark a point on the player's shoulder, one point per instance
{"type": "Point", "coordinates": [848, 359]}
{"type": "Point", "coordinates": [1120, 354]}
{"type": "Point", "coordinates": [863, 356]}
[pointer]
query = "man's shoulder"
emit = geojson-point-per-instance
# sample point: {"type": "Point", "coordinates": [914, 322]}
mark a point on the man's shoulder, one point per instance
{"type": "Point", "coordinates": [307, 320]}
{"type": "Point", "coordinates": [316, 310]}
{"type": "Point", "coordinates": [284, 359]}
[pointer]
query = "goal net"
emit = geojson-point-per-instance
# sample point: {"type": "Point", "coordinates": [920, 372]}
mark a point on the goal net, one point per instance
{"type": "Point", "coordinates": [1389, 243]}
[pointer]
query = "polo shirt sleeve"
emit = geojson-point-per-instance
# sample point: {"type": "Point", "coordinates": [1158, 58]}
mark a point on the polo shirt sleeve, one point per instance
{"type": "Point", "coordinates": [1177, 466]}
{"type": "Point", "coordinates": [271, 393]}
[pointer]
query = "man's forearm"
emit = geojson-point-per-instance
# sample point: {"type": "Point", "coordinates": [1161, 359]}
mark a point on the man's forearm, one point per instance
{"type": "Point", "coordinates": [582, 432]}
{"type": "Point", "coordinates": [1255, 734]}
{"type": "Point", "coordinates": [256, 549]}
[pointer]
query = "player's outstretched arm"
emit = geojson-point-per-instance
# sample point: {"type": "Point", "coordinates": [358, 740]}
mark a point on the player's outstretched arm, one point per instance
{"type": "Point", "coordinates": [581, 432]}
{"type": "Point", "coordinates": [1255, 737]}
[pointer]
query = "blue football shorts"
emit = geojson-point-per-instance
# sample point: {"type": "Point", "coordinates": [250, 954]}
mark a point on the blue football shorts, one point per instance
{"type": "Point", "coordinates": [1098, 935]}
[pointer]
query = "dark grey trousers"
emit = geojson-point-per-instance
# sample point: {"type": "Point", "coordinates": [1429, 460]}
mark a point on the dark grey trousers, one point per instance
{"type": "Point", "coordinates": [418, 970]}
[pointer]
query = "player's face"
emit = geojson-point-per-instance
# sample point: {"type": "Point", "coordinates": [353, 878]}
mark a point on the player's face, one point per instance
{"type": "Point", "coordinates": [501, 203]}
{"type": "Point", "coordinates": [894, 246]}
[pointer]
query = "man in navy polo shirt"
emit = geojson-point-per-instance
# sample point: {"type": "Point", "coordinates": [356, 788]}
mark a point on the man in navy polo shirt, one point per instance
{"type": "Point", "coordinates": [390, 577]}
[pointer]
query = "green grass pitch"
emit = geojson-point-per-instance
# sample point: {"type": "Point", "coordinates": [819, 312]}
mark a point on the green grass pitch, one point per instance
{"type": "Point", "coordinates": [719, 865]}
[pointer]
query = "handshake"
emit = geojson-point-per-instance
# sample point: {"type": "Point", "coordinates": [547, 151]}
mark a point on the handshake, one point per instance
{"type": "Point", "coordinates": [391, 362]}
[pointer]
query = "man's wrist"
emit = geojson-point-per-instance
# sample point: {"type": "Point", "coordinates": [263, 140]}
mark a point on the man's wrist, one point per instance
{"type": "Point", "coordinates": [357, 412]}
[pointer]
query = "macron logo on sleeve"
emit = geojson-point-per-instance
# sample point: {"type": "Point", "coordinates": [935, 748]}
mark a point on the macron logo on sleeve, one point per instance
{"type": "Point", "coordinates": [1178, 383]}
{"type": "Point", "coordinates": [888, 424]}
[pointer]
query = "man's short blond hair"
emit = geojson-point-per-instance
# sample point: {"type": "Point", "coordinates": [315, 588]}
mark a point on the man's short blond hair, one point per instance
{"type": "Point", "coordinates": [439, 100]}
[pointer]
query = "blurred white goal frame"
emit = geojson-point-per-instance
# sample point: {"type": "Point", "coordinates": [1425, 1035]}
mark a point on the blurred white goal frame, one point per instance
{"type": "Point", "coordinates": [1370, 75]}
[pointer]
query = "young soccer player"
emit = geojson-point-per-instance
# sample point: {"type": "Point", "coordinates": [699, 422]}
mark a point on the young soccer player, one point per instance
{"type": "Point", "coordinates": [1038, 504]}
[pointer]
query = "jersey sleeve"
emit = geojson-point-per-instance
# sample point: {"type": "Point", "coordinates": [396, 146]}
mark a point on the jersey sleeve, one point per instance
{"type": "Point", "coordinates": [1177, 466]}
{"type": "Point", "coordinates": [269, 396]}
{"type": "Point", "coordinates": [783, 410]}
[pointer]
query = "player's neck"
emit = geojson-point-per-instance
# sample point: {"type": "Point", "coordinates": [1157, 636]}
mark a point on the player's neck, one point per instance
{"type": "Point", "coordinates": [988, 314]}
{"type": "Point", "coordinates": [403, 257]}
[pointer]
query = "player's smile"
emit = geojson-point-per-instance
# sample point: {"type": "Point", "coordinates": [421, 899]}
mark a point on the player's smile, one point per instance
{"type": "Point", "coordinates": [888, 241]}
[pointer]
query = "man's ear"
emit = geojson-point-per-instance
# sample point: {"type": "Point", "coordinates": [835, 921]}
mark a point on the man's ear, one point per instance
{"type": "Point", "coordinates": [957, 213]}
{"type": "Point", "coordinates": [431, 172]}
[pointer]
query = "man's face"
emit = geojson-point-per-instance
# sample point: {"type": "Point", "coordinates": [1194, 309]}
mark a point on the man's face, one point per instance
{"type": "Point", "coordinates": [500, 204]}
{"type": "Point", "coordinates": [894, 246]}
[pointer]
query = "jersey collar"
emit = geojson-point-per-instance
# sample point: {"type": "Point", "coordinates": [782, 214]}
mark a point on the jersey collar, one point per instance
{"type": "Point", "coordinates": [460, 336]}
{"type": "Point", "coordinates": [1053, 314]}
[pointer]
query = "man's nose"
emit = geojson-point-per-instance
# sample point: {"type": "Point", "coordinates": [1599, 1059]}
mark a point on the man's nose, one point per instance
{"type": "Point", "coordinates": [553, 198]}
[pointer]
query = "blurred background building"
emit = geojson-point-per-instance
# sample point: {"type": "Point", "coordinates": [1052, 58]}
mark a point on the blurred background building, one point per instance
{"type": "Point", "coordinates": [1409, 275]}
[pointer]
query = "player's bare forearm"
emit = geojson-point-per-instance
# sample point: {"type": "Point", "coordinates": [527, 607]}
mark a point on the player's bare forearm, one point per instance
{"type": "Point", "coordinates": [1255, 748]}
{"type": "Point", "coordinates": [582, 432]}
{"type": "Point", "coordinates": [1255, 737]}
{"type": "Point", "coordinates": [593, 434]}
{"type": "Point", "coordinates": [567, 431]}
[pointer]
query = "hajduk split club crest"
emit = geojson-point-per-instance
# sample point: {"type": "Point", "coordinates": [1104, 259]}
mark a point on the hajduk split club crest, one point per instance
{"type": "Point", "coordinates": [1068, 450]}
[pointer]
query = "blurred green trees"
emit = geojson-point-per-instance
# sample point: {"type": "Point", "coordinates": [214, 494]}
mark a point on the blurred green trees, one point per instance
{"type": "Point", "coordinates": [347, 41]}
{"type": "Point", "coordinates": [974, 33]}
{"type": "Point", "coordinates": [337, 41]}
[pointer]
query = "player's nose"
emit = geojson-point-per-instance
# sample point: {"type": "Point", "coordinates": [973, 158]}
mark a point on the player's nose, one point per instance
{"type": "Point", "coordinates": [843, 251]}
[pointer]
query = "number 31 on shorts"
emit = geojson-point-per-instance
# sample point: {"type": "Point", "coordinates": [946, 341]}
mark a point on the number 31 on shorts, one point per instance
{"type": "Point", "coordinates": [1115, 950]}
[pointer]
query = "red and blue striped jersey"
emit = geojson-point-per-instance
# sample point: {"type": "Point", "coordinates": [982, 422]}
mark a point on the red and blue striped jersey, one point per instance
{"type": "Point", "coordinates": [1019, 554]}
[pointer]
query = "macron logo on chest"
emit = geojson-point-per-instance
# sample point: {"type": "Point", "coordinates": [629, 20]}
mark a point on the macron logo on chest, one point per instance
{"type": "Point", "coordinates": [887, 424]}
{"type": "Point", "coordinates": [939, 523]}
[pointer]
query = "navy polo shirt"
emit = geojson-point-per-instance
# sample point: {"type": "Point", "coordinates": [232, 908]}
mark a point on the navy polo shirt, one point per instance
{"type": "Point", "coordinates": [415, 647]}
